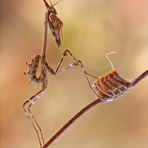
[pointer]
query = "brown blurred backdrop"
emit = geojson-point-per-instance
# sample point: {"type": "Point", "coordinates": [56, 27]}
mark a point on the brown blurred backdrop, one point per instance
{"type": "Point", "coordinates": [91, 29]}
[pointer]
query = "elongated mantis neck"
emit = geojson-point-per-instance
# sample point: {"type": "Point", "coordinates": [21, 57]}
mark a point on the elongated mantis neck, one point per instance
{"type": "Point", "coordinates": [44, 50]}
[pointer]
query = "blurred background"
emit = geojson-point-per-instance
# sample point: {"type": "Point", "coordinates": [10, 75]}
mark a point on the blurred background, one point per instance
{"type": "Point", "coordinates": [91, 29]}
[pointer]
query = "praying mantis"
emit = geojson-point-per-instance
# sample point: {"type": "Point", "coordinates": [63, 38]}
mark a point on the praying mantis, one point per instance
{"type": "Point", "coordinates": [55, 25]}
{"type": "Point", "coordinates": [107, 88]}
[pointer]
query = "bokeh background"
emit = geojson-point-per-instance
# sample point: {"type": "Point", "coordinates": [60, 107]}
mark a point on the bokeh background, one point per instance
{"type": "Point", "coordinates": [91, 29]}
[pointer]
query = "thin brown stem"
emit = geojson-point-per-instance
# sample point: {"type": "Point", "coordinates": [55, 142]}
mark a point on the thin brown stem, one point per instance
{"type": "Point", "coordinates": [139, 78]}
{"type": "Point", "coordinates": [85, 109]}
{"type": "Point", "coordinates": [72, 120]}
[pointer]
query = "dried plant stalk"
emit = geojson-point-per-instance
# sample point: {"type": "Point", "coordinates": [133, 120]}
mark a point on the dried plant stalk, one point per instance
{"type": "Point", "coordinates": [107, 88]}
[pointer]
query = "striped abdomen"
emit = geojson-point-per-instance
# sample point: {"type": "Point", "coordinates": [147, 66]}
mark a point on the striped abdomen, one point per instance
{"type": "Point", "coordinates": [110, 86]}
